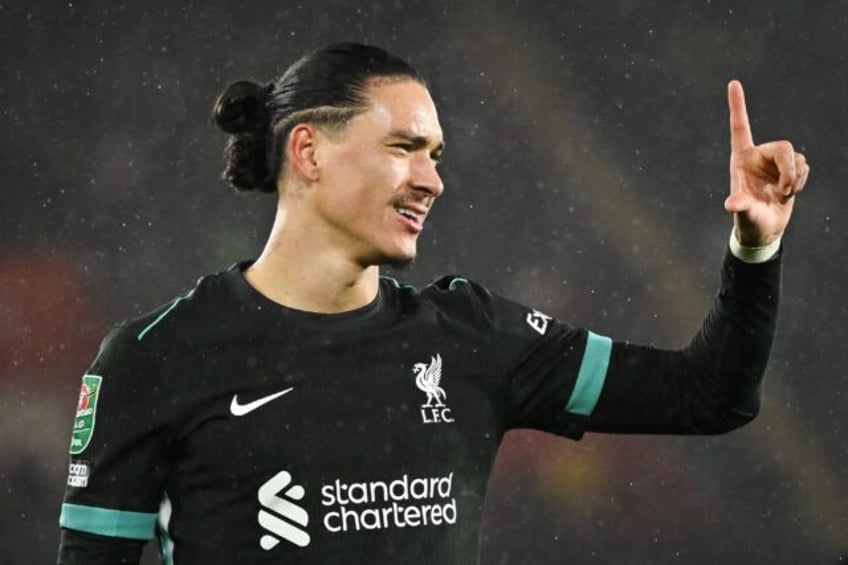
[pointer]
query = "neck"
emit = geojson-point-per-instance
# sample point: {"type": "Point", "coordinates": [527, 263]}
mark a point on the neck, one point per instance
{"type": "Point", "coordinates": [298, 269]}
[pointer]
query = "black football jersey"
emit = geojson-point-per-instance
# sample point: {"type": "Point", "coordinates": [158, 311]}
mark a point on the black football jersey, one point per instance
{"type": "Point", "coordinates": [241, 431]}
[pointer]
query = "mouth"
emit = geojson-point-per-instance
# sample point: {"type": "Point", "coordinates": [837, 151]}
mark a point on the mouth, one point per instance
{"type": "Point", "coordinates": [411, 215]}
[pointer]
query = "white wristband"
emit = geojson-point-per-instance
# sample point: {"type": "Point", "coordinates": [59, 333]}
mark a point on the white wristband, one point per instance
{"type": "Point", "coordinates": [753, 254]}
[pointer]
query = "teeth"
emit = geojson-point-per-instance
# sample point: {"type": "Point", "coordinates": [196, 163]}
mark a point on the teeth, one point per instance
{"type": "Point", "coordinates": [407, 213]}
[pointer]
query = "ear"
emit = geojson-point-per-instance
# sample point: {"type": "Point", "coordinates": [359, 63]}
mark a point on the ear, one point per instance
{"type": "Point", "coordinates": [300, 151]}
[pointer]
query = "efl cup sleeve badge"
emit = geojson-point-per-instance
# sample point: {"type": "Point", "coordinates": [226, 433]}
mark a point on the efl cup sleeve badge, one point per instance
{"type": "Point", "coordinates": [86, 412]}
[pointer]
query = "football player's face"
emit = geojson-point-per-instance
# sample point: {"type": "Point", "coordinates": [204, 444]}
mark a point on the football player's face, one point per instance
{"type": "Point", "coordinates": [379, 174]}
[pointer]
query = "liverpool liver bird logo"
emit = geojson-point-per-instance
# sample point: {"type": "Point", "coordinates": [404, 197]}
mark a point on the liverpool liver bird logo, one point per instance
{"type": "Point", "coordinates": [427, 378]}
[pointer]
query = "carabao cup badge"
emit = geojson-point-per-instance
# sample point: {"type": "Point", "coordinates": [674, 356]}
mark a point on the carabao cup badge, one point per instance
{"type": "Point", "coordinates": [86, 412]}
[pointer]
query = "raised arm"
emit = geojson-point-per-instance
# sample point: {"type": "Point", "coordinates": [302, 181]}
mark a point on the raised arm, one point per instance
{"type": "Point", "coordinates": [712, 385]}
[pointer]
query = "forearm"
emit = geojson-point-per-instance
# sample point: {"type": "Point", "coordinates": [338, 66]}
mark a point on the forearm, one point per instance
{"type": "Point", "coordinates": [712, 385]}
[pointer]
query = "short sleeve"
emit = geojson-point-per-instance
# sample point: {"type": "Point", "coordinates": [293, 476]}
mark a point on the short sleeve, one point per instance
{"type": "Point", "coordinates": [118, 444]}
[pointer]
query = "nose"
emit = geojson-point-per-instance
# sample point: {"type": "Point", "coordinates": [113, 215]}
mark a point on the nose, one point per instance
{"type": "Point", "coordinates": [425, 177]}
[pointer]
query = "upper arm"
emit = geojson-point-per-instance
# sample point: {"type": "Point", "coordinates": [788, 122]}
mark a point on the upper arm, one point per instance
{"type": "Point", "coordinates": [117, 456]}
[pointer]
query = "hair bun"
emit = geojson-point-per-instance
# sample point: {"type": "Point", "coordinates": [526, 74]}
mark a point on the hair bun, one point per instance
{"type": "Point", "coordinates": [241, 108]}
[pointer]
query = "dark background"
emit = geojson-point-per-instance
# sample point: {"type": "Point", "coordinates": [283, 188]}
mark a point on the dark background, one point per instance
{"type": "Point", "coordinates": [586, 167]}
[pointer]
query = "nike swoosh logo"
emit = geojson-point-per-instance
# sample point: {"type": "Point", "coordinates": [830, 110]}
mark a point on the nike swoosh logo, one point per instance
{"type": "Point", "coordinates": [237, 409]}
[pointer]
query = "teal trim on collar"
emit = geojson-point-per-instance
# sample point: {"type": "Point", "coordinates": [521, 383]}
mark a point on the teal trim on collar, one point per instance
{"type": "Point", "coordinates": [593, 373]}
{"type": "Point", "coordinates": [395, 282]}
{"type": "Point", "coordinates": [455, 281]}
{"type": "Point", "coordinates": [106, 522]}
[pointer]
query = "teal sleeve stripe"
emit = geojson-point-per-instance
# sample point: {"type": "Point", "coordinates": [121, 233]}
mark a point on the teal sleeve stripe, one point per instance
{"type": "Point", "coordinates": [105, 522]}
{"type": "Point", "coordinates": [593, 373]}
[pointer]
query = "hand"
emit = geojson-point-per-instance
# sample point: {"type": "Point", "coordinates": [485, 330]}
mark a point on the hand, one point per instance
{"type": "Point", "coordinates": [764, 179]}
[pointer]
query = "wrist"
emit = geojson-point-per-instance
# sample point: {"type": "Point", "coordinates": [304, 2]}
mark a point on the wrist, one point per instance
{"type": "Point", "coordinates": [753, 254]}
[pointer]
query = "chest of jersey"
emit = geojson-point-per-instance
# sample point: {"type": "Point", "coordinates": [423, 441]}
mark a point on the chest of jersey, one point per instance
{"type": "Point", "coordinates": [324, 434]}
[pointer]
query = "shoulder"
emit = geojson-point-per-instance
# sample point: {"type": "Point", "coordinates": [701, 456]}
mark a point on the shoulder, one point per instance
{"type": "Point", "coordinates": [460, 297]}
{"type": "Point", "coordinates": [192, 309]}
{"type": "Point", "coordinates": [445, 287]}
{"type": "Point", "coordinates": [457, 289]}
{"type": "Point", "coordinates": [452, 296]}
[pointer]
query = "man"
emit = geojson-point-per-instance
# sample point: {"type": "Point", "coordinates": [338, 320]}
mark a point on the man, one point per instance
{"type": "Point", "coordinates": [301, 409]}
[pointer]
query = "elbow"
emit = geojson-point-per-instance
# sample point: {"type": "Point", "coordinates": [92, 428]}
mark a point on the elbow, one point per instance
{"type": "Point", "coordinates": [730, 418]}
{"type": "Point", "coordinates": [737, 418]}
{"type": "Point", "coordinates": [745, 407]}
{"type": "Point", "coordinates": [733, 405]}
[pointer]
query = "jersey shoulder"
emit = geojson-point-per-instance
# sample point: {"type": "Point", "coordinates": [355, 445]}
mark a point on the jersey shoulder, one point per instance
{"type": "Point", "coordinates": [448, 289]}
{"type": "Point", "coordinates": [197, 309]}
{"type": "Point", "coordinates": [452, 297]}
{"type": "Point", "coordinates": [458, 296]}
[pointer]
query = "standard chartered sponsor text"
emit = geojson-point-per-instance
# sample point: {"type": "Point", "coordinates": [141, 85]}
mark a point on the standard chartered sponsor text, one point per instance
{"type": "Point", "coordinates": [402, 503]}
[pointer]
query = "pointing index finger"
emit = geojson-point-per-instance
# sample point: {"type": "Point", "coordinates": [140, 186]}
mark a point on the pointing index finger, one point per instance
{"type": "Point", "coordinates": [740, 128]}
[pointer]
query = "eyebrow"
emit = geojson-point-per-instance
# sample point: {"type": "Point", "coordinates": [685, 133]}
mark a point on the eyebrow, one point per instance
{"type": "Point", "coordinates": [417, 141]}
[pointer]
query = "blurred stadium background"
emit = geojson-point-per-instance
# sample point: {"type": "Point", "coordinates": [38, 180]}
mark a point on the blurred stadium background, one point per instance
{"type": "Point", "coordinates": [586, 166]}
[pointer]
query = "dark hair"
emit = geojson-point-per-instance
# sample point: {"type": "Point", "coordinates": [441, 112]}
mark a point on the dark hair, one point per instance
{"type": "Point", "coordinates": [326, 87]}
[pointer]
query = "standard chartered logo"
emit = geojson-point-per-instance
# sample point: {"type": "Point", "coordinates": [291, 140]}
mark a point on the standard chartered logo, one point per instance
{"type": "Point", "coordinates": [406, 502]}
{"type": "Point", "coordinates": [279, 515]}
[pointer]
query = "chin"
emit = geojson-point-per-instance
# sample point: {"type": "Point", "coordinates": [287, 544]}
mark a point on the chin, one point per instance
{"type": "Point", "coordinates": [398, 263]}
{"type": "Point", "coordinates": [398, 259]}
{"type": "Point", "coordinates": [392, 253]}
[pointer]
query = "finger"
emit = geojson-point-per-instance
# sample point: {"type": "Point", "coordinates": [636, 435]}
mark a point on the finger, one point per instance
{"type": "Point", "coordinates": [782, 155]}
{"type": "Point", "coordinates": [803, 169]}
{"type": "Point", "coordinates": [740, 128]}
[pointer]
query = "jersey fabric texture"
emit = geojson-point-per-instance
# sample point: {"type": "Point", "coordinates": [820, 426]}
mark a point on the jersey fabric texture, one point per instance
{"type": "Point", "coordinates": [242, 431]}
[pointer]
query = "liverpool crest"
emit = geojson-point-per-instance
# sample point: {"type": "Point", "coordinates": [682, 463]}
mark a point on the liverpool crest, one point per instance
{"type": "Point", "coordinates": [86, 412]}
{"type": "Point", "coordinates": [427, 378]}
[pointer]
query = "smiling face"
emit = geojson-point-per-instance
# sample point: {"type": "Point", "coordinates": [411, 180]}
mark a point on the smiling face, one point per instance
{"type": "Point", "coordinates": [377, 177]}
